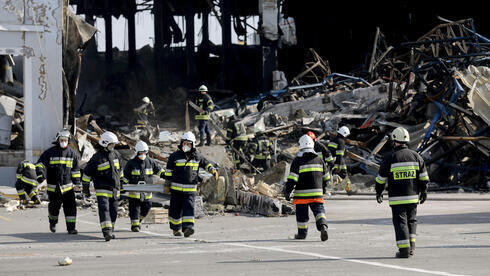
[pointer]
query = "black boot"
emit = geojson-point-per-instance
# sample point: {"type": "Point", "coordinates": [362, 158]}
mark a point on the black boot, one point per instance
{"type": "Point", "coordinates": [177, 233]}
{"type": "Point", "coordinates": [73, 231]}
{"type": "Point", "coordinates": [107, 235]}
{"type": "Point", "coordinates": [300, 236]}
{"type": "Point", "coordinates": [208, 140]}
{"type": "Point", "coordinates": [52, 227]}
{"type": "Point", "coordinates": [323, 233]}
{"type": "Point", "coordinates": [135, 228]}
{"type": "Point", "coordinates": [188, 232]}
{"type": "Point", "coordinates": [412, 248]}
{"type": "Point", "coordinates": [201, 142]}
{"type": "Point", "coordinates": [403, 253]}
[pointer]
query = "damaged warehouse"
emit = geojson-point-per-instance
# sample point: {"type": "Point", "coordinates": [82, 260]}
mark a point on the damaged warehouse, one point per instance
{"type": "Point", "coordinates": [233, 111]}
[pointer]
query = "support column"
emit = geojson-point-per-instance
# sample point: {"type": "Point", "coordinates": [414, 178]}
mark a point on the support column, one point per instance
{"type": "Point", "coordinates": [226, 47]}
{"type": "Point", "coordinates": [132, 33]}
{"type": "Point", "coordinates": [190, 43]}
{"type": "Point", "coordinates": [108, 38]}
{"type": "Point", "coordinates": [158, 47]}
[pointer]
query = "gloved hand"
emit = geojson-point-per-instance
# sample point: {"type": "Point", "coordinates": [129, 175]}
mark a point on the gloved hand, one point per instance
{"type": "Point", "coordinates": [166, 187]}
{"type": "Point", "coordinates": [422, 198]}
{"type": "Point", "coordinates": [122, 191]}
{"type": "Point", "coordinates": [343, 173]}
{"type": "Point", "coordinates": [215, 173]}
{"type": "Point", "coordinates": [86, 190]}
{"type": "Point", "coordinates": [379, 198]}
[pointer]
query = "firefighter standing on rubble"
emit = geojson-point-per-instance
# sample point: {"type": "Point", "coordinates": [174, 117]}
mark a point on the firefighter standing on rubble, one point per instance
{"type": "Point", "coordinates": [236, 137]}
{"type": "Point", "coordinates": [308, 177]}
{"type": "Point", "coordinates": [104, 170]}
{"type": "Point", "coordinates": [337, 149]}
{"type": "Point", "coordinates": [205, 102]}
{"type": "Point", "coordinates": [322, 150]}
{"type": "Point", "coordinates": [405, 173]}
{"type": "Point", "coordinates": [261, 148]}
{"type": "Point", "coordinates": [143, 111]}
{"type": "Point", "coordinates": [26, 184]}
{"type": "Point", "coordinates": [182, 177]}
{"type": "Point", "coordinates": [140, 170]}
{"type": "Point", "coordinates": [58, 165]}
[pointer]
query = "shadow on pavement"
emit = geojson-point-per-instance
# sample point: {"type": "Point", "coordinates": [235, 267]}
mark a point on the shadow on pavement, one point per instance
{"type": "Point", "coordinates": [468, 218]}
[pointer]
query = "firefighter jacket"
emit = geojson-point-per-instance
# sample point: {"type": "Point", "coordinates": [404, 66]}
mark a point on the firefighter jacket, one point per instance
{"type": "Point", "coordinates": [261, 148]}
{"type": "Point", "coordinates": [405, 173]}
{"type": "Point", "coordinates": [60, 168]}
{"type": "Point", "coordinates": [235, 131]}
{"type": "Point", "coordinates": [26, 174]}
{"type": "Point", "coordinates": [337, 149]}
{"type": "Point", "coordinates": [324, 153]}
{"type": "Point", "coordinates": [205, 103]}
{"type": "Point", "coordinates": [143, 111]}
{"type": "Point", "coordinates": [137, 170]}
{"type": "Point", "coordinates": [182, 170]}
{"type": "Point", "coordinates": [308, 177]}
{"type": "Point", "coordinates": [105, 171]}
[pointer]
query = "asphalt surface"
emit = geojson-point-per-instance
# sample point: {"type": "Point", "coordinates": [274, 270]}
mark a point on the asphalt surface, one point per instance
{"type": "Point", "coordinates": [453, 239]}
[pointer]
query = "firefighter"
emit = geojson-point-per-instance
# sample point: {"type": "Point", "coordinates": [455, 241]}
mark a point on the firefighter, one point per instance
{"type": "Point", "coordinates": [104, 170]}
{"type": "Point", "coordinates": [26, 184]}
{"type": "Point", "coordinates": [140, 170]}
{"type": "Point", "coordinates": [205, 102]}
{"type": "Point", "coordinates": [405, 173]}
{"type": "Point", "coordinates": [236, 137]}
{"type": "Point", "coordinates": [337, 149]}
{"type": "Point", "coordinates": [308, 177]}
{"type": "Point", "coordinates": [261, 148]}
{"type": "Point", "coordinates": [182, 176]}
{"type": "Point", "coordinates": [58, 165]}
{"type": "Point", "coordinates": [143, 111]}
{"type": "Point", "coordinates": [322, 150]}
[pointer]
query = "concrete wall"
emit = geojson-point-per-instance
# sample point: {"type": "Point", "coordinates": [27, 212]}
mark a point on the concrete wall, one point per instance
{"type": "Point", "coordinates": [33, 29]}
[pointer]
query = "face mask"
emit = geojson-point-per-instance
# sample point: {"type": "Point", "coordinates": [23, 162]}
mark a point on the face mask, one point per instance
{"type": "Point", "coordinates": [63, 145]}
{"type": "Point", "coordinates": [186, 148]}
{"type": "Point", "coordinates": [110, 147]}
{"type": "Point", "coordinates": [142, 156]}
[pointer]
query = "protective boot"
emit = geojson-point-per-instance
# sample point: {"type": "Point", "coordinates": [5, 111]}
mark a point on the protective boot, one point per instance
{"type": "Point", "coordinates": [177, 233]}
{"type": "Point", "coordinates": [135, 228]}
{"type": "Point", "coordinates": [412, 248]}
{"type": "Point", "coordinates": [188, 232]}
{"type": "Point", "coordinates": [73, 231]}
{"type": "Point", "coordinates": [208, 140]}
{"type": "Point", "coordinates": [201, 142]}
{"type": "Point", "coordinates": [403, 253]}
{"type": "Point", "coordinates": [52, 227]}
{"type": "Point", "coordinates": [323, 233]}
{"type": "Point", "coordinates": [300, 236]}
{"type": "Point", "coordinates": [107, 235]}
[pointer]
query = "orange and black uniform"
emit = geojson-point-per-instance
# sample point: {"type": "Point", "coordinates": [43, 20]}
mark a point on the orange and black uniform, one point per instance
{"type": "Point", "coordinates": [308, 177]}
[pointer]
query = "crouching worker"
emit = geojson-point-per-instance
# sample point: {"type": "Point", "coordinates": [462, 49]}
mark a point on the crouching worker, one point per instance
{"type": "Point", "coordinates": [182, 176]}
{"type": "Point", "coordinates": [26, 184]}
{"type": "Point", "coordinates": [138, 170]}
{"type": "Point", "coordinates": [308, 177]}
{"type": "Point", "coordinates": [105, 171]}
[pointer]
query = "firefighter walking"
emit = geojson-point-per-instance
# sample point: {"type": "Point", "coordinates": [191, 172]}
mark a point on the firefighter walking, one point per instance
{"type": "Point", "coordinates": [140, 170]}
{"type": "Point", "coordinates": [261, 148]}
{"type": "Point", "coordinates": [58, 165]}
{"type": "Point", "coordinates": [104, 170]}
{"type": "Point", "coordinates": [205, 102]}
{"type": "Point", "coordinates": [308, 177]}
{"type": "Point", "coordinates": [405, 173]}
{"type": "Point", "coordinates": [182, 176]}
{"type": "Point", "coordinates": [26, 184]}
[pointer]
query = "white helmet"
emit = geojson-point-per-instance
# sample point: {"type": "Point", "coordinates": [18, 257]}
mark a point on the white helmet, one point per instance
{"type": "Point", "coordinates": [203, 88]}
{"type": "Point", "coordinates": [141, 146]}
{"type": "Point", "coordinates": [305, 142]}
{"type": "Point", "coordinates": [108, 138]}
{"type": "Point", "coordinates": [146, 100]}
{"type": "Point", "coordinates": [344, 131]}
{"type": "Point", "coordinates": [188, 136]}
{"type": "Point", "coordinates": [63, 133]}
{"type": "Point", "coordinates": [400, 134]}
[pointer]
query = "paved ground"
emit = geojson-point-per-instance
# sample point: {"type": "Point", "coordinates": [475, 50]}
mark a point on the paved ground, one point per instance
{"type": "Point", "coordinates": [454, 239]}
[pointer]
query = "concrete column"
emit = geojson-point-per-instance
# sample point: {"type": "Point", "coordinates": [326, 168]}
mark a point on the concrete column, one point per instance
{"type": "Point", "coordinates": [108, 38]}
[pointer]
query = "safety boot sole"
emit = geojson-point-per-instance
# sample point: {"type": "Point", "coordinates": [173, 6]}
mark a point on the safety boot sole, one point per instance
{"type": "Point", "coordinates": [324, 234]}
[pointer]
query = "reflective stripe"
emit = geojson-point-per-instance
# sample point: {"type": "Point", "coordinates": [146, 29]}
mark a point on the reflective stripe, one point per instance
{"type": "Point", "coordinates": [116, 163]}
{"type": "Point", "coordinates": [402, 166]}
{"type": "Point", "coordinates": [424, 176]}
{"type": "Point", "coordinates": [209, 167]}
{"type": "Point", "coordinates": [326, 176]}
{"type": "Point", "coordinates": [302, 225]}
{"type": "Point", "coordinates": [30, 166]}
{"type": "Point", "coordinates": [188, 219]}
{"type": "Point", "coordinates": [51, 187]}
{"type": "Point", "coordinates": [75, 174]}
{"type": "Point", "coordinates": [134, 195]}
{"type": "Point", "coordinates": [380, 179]}
{"type": "Point", "coordinates": [106, 224]}
{"type": "Point", "coordinates": [397, 200]}
{"type": "Point", "coordinates": [343, 167]}
{"type": "Point", "coordinates": [188, 164]}
{"type": "Point", "coordinates": [183, 187]}
{"type": "Point", "coordinates": [28, 181]}
{"type": "Point", "coordinates": [320, 216]}
{"type": "Point", "coordinates": [311, 166]}
{"type": "Point", "coordinates": [333, 145]}
{"type": "Point", "coordinates": [161, 172]}
{"type": "Point", "coordinates": [175, 221]}
{"type": "Point", "coordinates": [103, 166]}
{"type": "Point", "coordinates": [309, 192]}
{"type": "Point", "coordinates": [148, 195]}
{"type": "Point", "coordinates": [102, 192]}
{"type": "Point", "coordinates": [70, 218]}
{"type": "Point", "coordinates": [51, 217]}
{"type": "Point", "coordinates": [68, 161]}
{"type": "Point", "coordinates": [33, 193]}
{"type": "Point", "coordinates": [21, 192]}
{"type": "Point", "coordinates": [66, 187]}
{"type": "Point", "coordinates": [40, 165]}
{"type": "Point", "coordinates": [135, 222]}
{"type": "Point", "coordinates": [202, 117]}
{"type": "Point", "coordinates": [293, 176]}
{"type": "Point", "coordinates": [135, 172]}
{"type": "Point", "coordinates": [86, 178]}
{"type": "Point", "coordinates": [403, 243]}
{"type": "Point", "coordinates": [18, 176]}
{"type": "Point", "coordinates": [311, 170]}
{"type": "Point", "coordinates": [339, 152]}
{"type": "Point", "coordinates": [330, 159]}
{"type": "Point", "coordinates": [167, 173]}
{"type": "Point", "coordinates": [148, 171]}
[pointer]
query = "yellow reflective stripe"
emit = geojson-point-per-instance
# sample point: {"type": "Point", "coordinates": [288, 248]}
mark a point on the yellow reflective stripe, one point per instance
{"type": "Point", "coordinates": [292, 177]}
{"type": "Point", "coordinates": [134, 195]}
{"type": "Point", "coordinates": [188, 164]}
{"type": "Point", "coordinates": [135, 173]}
{"type": "Point", "coordinates": [103, 194]}
{"type": "Point", "coordinates": [86, 179]}
{"type": "Point", "coordinates": [311, 170]}
{"type": "Point", "coordinates": [148, 172]}
{"type": "Point", "coordinates": [308, 194]}
{"type": "Point", "coordinates": [62, 162]}
{"type": "Point", "coordinates": [168, 173]}
{"type": "Point", "coordinates": [31, 166]}
{"type": "Point", "coordinates": [379, 180]}
{"type": "Point", "coordinates": [339, 152]}
{"type": "Point", "coordinates": [18, 176]}
{"type": "Point", "coordinates": [40, 165]}
{"type": "Point", "coordinates": [202, 117]}
{"type": "Point", "coordinates": [424, 177]}
{"type": "Point", "coordinates": [188, 220]}
{"type": "Point", "coordinates": [103, 168]}
{"type": "Point", "coordinates": [399, 202]}
{"type": "Point", "coordinates": [21, 193]}
{"type": "Point", "coordinates": [63, 190]}
{"type": "Point", "coordinates": [76, 175]}
{"type": "Point", "coordinates": [183, 189]}
{"type": "Point", "coordinates": [149, 196]}
{"type": "Point", "coordinates": [333, 145]}
{"type": "Point", "coordinates": [28, 181]}
{"type": "Point", "coordinates": [106, 224]}
{"type": "Point", "coordinates": [175, 221]}
{"type": "Point", "coordinates": [403, 168]}
{"type": "Point", "coordinates": [405, 245]}
{"type": "Point", "coordinates": [160, 172]}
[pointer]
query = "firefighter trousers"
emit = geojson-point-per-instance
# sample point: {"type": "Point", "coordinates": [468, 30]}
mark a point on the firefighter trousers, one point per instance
{"type": "Point", "coordinates": [56, 200]}
{"type": "Point", "coordinates": [181, 212]}
{"type": "Point", "coordinates": [107, 212]}
{"type": "Point", "coordinates": [302, 216]}
{"type": "Point", "coordinates": [26, 190]}
{"type": "Point", "coordinates": [138, 210]}
{"type": "Point", "coordinates": [204, 128]}
{"type": "Point", "coordinates": [405, 223]}
{"type": "Point", "coordinates": [239, 145]}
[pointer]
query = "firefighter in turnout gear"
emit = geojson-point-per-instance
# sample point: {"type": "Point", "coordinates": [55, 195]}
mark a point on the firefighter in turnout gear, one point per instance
{"type": "Point", "coordinates": [58, 165]}
{"type": "Point", "coordinates": [308, 177]}
{"type": "Point", "coordinates": [182, 176]}
{"type": "Point", "coordinates": [322, 150]}
{"type": "Point", "coordinates": [405, 173]}
{"type": "Point", "coordinates": [261, 148]}
{"type": "Point", "coordinates": [236, 137]}
{"type": "Point", "coordinates": [337, 149]}
{"type": "Point", "coordinates": [205, 102]}
{"type": "Point", "coordinates": [140, 170]}
{"type": "Point", "coordinates": [143, 111]}
{"type": "Point", "coordinates": [104, 170]}
{"type": "Point", "coordinates": [26, 184]}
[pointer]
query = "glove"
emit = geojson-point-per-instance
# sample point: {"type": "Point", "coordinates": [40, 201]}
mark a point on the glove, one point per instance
{"type": "Point", "coordinates": [215, 173]}
{"type": "Point", "coordinates": [86, 190]}
{"type": "Point", "coordinates": [379, 198]}
{"type": "Point", "coordinates": [166, 187]}
{"type": "Point", "coordinates": [343, 173]}
{"type": "Point", "coordinates": [122, 191]}
{"type": "Point", "coordinates": [422, 198]}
